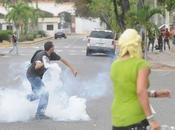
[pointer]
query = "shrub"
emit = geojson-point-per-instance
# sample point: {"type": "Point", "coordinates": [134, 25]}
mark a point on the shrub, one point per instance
{"type": "Point", "coordinates": [42, 33]}
{"type": "Point", "coordinates": [30, 37]}
{"type": "Point", "coordinates": [5, 35]}
{"type": "Point", "coordinates": [22, 38]}
{"type": "Point", "coordinates": [27, 37]}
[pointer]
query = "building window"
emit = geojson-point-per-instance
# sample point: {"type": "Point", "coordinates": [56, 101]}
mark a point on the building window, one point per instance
{"type": "Point", "coordinates": [49, 27]}
{"type": "Point", "coordinates": [9, 27]}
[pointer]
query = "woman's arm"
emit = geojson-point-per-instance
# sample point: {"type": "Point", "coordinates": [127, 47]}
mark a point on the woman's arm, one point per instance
{"type": "Point", "coordinates": [74, 71]}
{"type": "Point", "coordinates": [142, 86]}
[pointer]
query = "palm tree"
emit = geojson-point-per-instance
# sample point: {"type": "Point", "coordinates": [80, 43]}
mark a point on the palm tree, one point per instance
{"type": "Point", "coordinates": [20, 14]}
{"type": "Point", "coordinates": [140, 19]}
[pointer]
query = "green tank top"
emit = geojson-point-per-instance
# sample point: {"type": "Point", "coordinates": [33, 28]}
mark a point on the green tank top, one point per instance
{"type": "Point", "coordinates": [126, 109]}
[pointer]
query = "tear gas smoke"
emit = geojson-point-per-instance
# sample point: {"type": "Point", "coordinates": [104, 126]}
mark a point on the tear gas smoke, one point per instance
{"type": "Point", "coordinates": [67, 95]}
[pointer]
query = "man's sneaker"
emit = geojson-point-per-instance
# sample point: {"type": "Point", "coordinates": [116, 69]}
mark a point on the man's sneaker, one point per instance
{"type": "Point", "coordinates": [41, 117]}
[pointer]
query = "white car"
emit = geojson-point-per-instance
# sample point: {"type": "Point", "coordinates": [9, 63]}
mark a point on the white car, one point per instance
{"type": "Point", "coordinates": [101, 42]}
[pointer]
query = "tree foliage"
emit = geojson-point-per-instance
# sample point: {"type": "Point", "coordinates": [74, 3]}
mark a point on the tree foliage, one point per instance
{"type": "Point", "coordinates": [83, 8]}
{"type": "Point", "coordinates": [141, 17]}
{"type": "Point", "coordinates": [21, 14]}
{"type": "Point", "coordinates": [167, 4]}
{"type": "Point", "coordinates": [103, 9]}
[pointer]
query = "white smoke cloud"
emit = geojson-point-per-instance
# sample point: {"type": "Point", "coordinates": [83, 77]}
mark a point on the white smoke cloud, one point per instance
{"type": "Point", "coordinates": [92, 88]}
{"type": "Point", "coordinates": [14, 106]}
{"type": "Point", "coordinates": [61, 106]}
{"type": "Point", "coordinates": [67, 95]}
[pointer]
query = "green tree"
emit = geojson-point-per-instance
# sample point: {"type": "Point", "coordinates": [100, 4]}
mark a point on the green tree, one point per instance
{"type": "Point", "coordinates": [104, 10]}
{"type": "Point", "coordinates": [83, 8]}
{"type": "Point", "coordinates": [140, 19]}
{"type": "Point", "coordinates": [20, 14]}
{"type": "Point", "coordinates": [169, 5]}
{"type": "Point", "coordinates": [120, 9]}
{"type": "Point", "coordinates": [6, 3]}
{"type": "Point", "coordinates": [1, 15]}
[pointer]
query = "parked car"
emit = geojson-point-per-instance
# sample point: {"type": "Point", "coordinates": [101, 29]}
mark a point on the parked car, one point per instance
{"type": "Point", "coordinates": [101, 42]}
{"type": "Point", "coordinates": [60, 35]}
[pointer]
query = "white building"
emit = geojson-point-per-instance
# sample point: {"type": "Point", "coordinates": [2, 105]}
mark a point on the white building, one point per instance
{"type": "Point", "coordinates": [55, 23]}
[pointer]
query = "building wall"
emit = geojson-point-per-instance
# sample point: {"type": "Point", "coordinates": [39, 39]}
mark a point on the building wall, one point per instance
{"type": "Point", "coordinates": [4, 25]}
{"type": "Point", "coordinates": [45, 22]}
{"type": "Point", "coordinates": [44, 27]}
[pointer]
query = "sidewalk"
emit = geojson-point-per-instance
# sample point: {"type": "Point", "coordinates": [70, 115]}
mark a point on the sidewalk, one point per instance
{"type": "Point", "coordinates": [164, 60]}
{"type": "Point", "coordinates": [7, 44]}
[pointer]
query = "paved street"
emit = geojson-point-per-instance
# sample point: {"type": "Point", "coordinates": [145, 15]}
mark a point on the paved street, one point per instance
{"type": "Point", "coordinates": [94, 72]}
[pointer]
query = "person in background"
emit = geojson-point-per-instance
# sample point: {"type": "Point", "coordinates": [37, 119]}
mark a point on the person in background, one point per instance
{"type": "Point", "coordinates": [160, 42]}
{"type": "Point", "coordinates": [39, 65]}
{"type": "Point", "coordinates": [151, 37]}
{"type": "Point", "coordinates": [166, 39]}
{"type": "Point", "coordinates": [131, 108]}
{"type": "Point", "coordinates": [14, 43]}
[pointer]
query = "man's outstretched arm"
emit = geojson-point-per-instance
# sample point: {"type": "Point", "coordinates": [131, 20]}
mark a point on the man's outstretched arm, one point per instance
{"type": "Point", "coordinates": [74, 71]}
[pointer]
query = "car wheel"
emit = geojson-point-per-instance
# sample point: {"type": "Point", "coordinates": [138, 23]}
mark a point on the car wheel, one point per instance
{"type": "Point", "coordinates": [113, 52]}
{"type": "Point", "coordinates": [87, 52]}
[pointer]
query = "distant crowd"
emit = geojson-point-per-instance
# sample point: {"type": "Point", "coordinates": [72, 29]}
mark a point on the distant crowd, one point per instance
{"type": "Point", "coordinates": [160, 42]}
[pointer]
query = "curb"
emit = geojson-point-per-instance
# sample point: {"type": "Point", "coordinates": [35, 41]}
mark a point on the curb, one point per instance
{"type": "Point", "coordinates": [34, 42]}
{"type": "Point", "coordinates": [26, 43]}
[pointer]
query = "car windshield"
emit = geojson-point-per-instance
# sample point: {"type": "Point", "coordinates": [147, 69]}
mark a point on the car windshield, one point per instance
{"type": "Point", "coordinates": [59, 33]}
{"type": "Point", "coordinates": [102, 34]}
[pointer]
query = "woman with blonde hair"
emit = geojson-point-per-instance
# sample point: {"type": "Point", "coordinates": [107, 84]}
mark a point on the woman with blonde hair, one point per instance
{"type": "Point", "coordinates": [129, 73]}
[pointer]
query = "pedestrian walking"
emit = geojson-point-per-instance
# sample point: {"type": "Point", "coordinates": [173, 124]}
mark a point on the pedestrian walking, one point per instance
{"type": "Point", "coordinates": [39, 65]}
{"type": "Point", "coordinates": [14, 43]}
{"type": "Point", "coordinates": [166, 39]}
{"type": "Point", "coordinates": [129, 73]}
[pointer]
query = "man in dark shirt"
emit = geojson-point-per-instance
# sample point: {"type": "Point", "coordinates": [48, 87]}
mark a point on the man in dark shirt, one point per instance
{"type": "Point", "coordinates": [35, 72]}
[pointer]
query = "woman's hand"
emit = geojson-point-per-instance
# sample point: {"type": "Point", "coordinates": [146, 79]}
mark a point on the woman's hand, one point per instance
{"type": "Point", "coordinates": [155, 125]}
{"type": "Point", "coordinates": [163, 93]}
